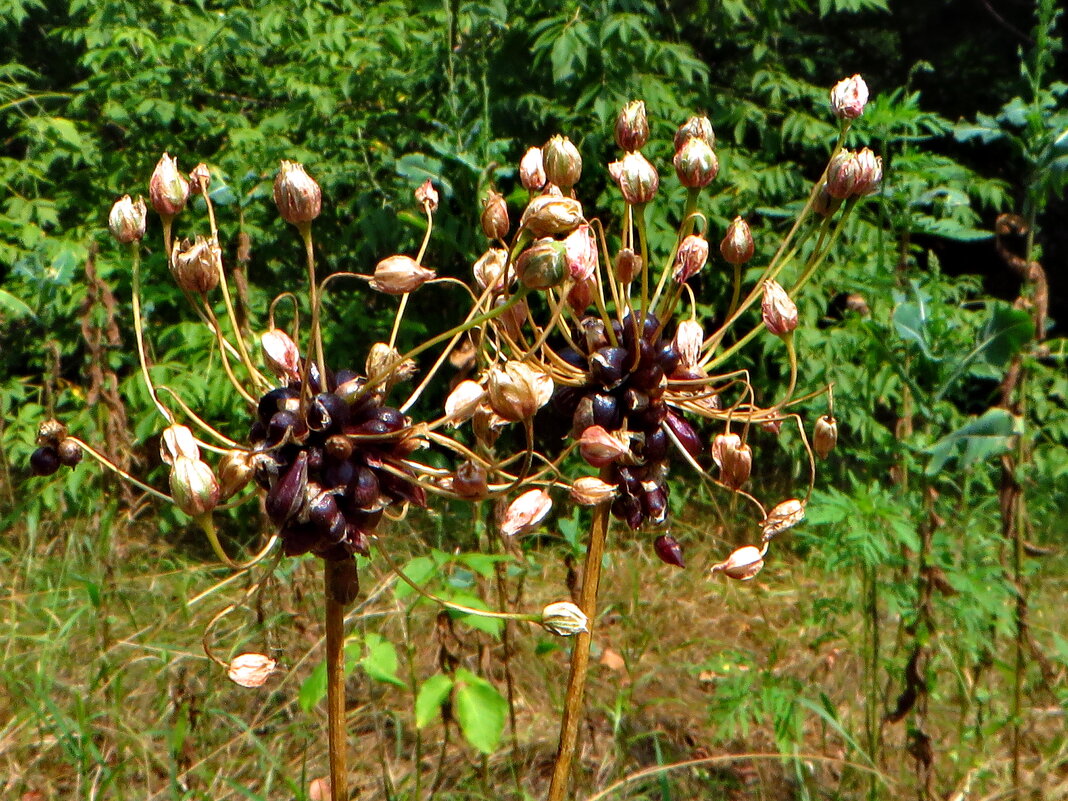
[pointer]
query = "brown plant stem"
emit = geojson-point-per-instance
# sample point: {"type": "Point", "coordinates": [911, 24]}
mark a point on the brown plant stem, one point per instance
{"type": "Point", "coordinates": [580, 657]}
{"type": "Point", "coordinates": [335, 681]}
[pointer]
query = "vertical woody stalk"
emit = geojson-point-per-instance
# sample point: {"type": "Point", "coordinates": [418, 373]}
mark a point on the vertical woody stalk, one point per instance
{"type": "Point", "coordinates": [335, 677]}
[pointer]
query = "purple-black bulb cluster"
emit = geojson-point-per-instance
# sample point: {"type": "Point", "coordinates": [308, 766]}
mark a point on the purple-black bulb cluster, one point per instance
{"type": "Point", "coordinates": [331, 462]}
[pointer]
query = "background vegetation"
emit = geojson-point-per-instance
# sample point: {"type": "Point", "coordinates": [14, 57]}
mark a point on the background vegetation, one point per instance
{"type": "Point", "coordinates": [913, 645]}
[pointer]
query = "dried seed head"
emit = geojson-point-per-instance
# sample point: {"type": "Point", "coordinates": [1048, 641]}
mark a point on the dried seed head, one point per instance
{"type": "Point", "coordinates": [127, 219]}
{"type": "Point", "coordinates": [695, 128]}
{"type": "Point", "coordinates": [628, 265]}
{"type": "Point", "coordinates": [823, 204]}
{"type": "Point", "coordinates": [50, 433]}
{"type": "Point", "coordinates": [532, 170]}
{"type": "Point", "coordinates": [427, 196]}
{"type": "Point", "coordinates": [632, 126]}
{"type": "Point", "coordinates": [825, 436]}
{"type": "Point", "coordinates": [525, 512]}
{"type": "Point", "coordinates": [601, 448]}
{"type": "Point", "coordinates": [543, 265]}
{"type": "Point", "coordinates": [463, 402]}
{"type": "Point", "coordinates": [235, 472]}
{"type": "Point", "coordinates": [399, 275]}
{"type": "Point", "coordinates": [689, 339]}
{"type": "Point", "coordinates": [177, 441]}
{"type": "Point", "coordinates": [494, 216]}
{"type": "Point", "coordinates": [742, 565]}
{"type": "Point", "coordinates": [782, 517]}
{"type": "Point", "coordinates": [297, 195]}
{"type": "Point", "coordinates": [250, 670]}
{"type": "Point", "coordinates": [200, 178]}
{"type": "Point", "coordinates": [562, 162]}
{"type": "Point", "coordinates": [517, 391]}
{"type": "Point", "coordinates": [737, 244]}
{"type": "Point", "coordinates": [563, 618]}
{"type": "Point", "coordinates": [691, 257]}
{"type": "Point", "coordinates": [512, 319]}
{"type": "Point", "coordinates": [193, 486]}
{"type": "Point", "coordinates": [734, 459]}
{"type": "Point", "coordinates": [471, 481]}
{"type": "Point", "coordinates": [637, 178]}
{"type": "Point", "coordinates": [168, 190]}
{"type": "Point", "coordinates": [779, 311]}
{"type": "Point", "coordinates": [196, 267]}
{"type": "Point", "coordinates": [382, 360]}
{"type": "Point", "coordinates": [281, 354]}
{"type": "Point", "coordinates": [551, 215]}
{"type": "Point", "coordinates": [848, 98]}
{"type": "Point", "coordinates": [489, 269]}
{"type": "Point", "coordinates": [696, 163]}
{"type": "Point", "coordinates": [592, 491]}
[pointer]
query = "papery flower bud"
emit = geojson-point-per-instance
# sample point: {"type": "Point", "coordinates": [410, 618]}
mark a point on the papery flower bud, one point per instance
{"type": "Point", "coordinates": [399, 275]}
{"type": "Point", "coordinates": [581, 295]}
{"type": "Point", "coordinates": [695, 128]}
{"type": "Point", "coordinates": [825, 436]}
{"type": "Point", "coordinates": [193, 486]}
{"type": "Point", "coordinates": [784, 516]}
{"type": "Point", "coordinates": [551, 215]}
{"type": "Point", "coordinates": [592, 491]}
{"type": "Point", "coordinates": [489, 269]}
{"type": "Point", "coordinates": [427, 195]}
{"type": "Point", "coordinates": [691, 257]}
{"type": "Point", "coordinates": [628, 265]}
{"type": "Point", "coordinates": [696, 164]}
{"type": "Point", "coordinates": [581, 250]}
{"type": "Point", "coordinates": [742, 565]}
{"type": "Point", "coordinates": [487, 425]}
{"type": "Point", "coordinates": [563, 618]}
{"type": "Point", "coordinates": [250, 670]}
{"type": "Point", "coordinates": [543, 264]}
{"type": "Point", "coordinates": [297, 195]}
{"type": "Point", "coordinates": [688, 341]}
{"type": "Point", "coordinates": [168, 191]}
{"type": "Point", "coordinates": [823, 204]}
{"type": "Point", "coordinates": [632, 126]}
{"type": "Point", "coordinates": [384, 360]}
{"type": "Point", "coordinates": [737, 244]}
{"type": "Point", "coordinates": [532, 170]}
{"type": "Point", "coordinates": [601, 448]}
{"type": "Point", "coordinates": [869, 173]}
{"type": "Point", "coordinates": [562, 162]}
{"type": "Point", "coordinates": [196, 267]}
{"type": "Point", "coordinates": [637, 178]}
{"type": "Point", "coordinates": [668, 550]}
{"type": "Point", "coordinates": [779, 312]}
{"type": "Point", "coordinates": [200, 178]}
{"type": "Point", "coordinates": [127, 219]}
{"type": "Point", "coordinates": [517, 391]}
{"type": "Point", "coordinates": [177, 441]}
{"type": "Point", "coordinates": [734, 459]}
{"type": "Point", "coordinates": [235, 472]}
{"type": "Point", "coordinates": [848, 98]}
{"type": "Point", "coordinates": [463, 402]}
{"type": "Point", "coordinates": [494, 216]}
{"type": "Point", "coordinates": [842, 174]}
{"type": "Point", "coordinates": [281, 354]}
{"type": "Point", "coordinates": [525, 512]}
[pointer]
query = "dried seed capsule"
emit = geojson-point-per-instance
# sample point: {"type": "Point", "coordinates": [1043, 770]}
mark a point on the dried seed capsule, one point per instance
{"type": "Point", "coordinates": [695, 128]}
{"type": "Point", "coordinates": [562, 162]}
{"type": "Point", "coordinates": [127, 219]}
{"type": "Point", "coordinates": [168, 191]}
{"type": "Point", "coordinates": [848, 98]}
{"type": "Point", "coordinates": [737, 244]}
{"type": "Point", "coordinates": [594, 334]}
{"type": "Point", "coordinates": [494, 216]}
{"type": "Point", "coordinates": [696, 164]}
{"type": "Point", "coordinates": [543, 265]}
{"type": "Point", "coordinates": [532, 170]}
{"type": "Point", "coordinates": [668, 550]}
{"type": "Point", "coordinates": [235, 472]}
{"type": "Point", "coordinates": [632, 126]}
{"type": "Point", "coordinates": [193, 486]}
{"type": "Point", "coordinates": [628, 265]}
{"type": "Point", "coordinates": [564, 619]}
{"type": "Point", "coordinates": [637, 178]}
{"type": "Point", "coordinates": [825, 436]}
{"type": "Point", "coordinates": [44, 461]}
{"type": "Point", "coordinates": [734, 459]}
{"type": "Point", "coordinates": [592, 491]}
{"type": "Point", "coordinates": [600, 448]}
{"type": "Point", "coordinates": [742, 565]}
{"type": "Point", "coordinates": [399, 275]}
{"type": "Point", "coordinates": [525, 512]}
{"type": "Point", "coordinates": [778, 310]}
{"type": "Point", "coordinates": [297, 195]}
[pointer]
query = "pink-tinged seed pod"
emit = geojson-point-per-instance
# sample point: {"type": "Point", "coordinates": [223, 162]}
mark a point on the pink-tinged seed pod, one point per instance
{"type": "Point", "coordinates": [632, 127]}
{"type": "Point", "coordinates": [734, 459]}
{"type": "Point", "coordinates": [779, 312]}
{"type": "Point", "coordinates": [637, 178]}
{"type": "Point", "coordinates": [427, 196]}
{"type": "Point", "coordinates": [382, 360]}
{"type": "Point", "coordinates": [463, 402]}
{"type": "Point", "coordinates": [551, 215]}
{"type": "Point", "coordinates": [196, 267]}
{"type": "Point", "coordinates": [564, 619]}
{"type": "Point", "coordinates": [297, 195]}
{"type": "Point", "coordinates": [517, 391]}
{"type": "Point", "coordinates": [628, 265]}
{"type": "Point", "coordinates": [742, 565]}
{"type": "Point", "coordinates": [689, 339]}
{"type": "Point", "coordinates": [691, 257]}
{"type": "Point", "coordinates": [601, 448]}
{"type": "Point", "coordinates": [281, 354]}
{"type": "Point", "coordinates": [669, 551]}
{"type": "Point", "coordinates": [489, 269]}
{"type": "Point", "coordinates": [842, 174]}
{"type": "Point", "coordinates": [126, 221]}
{"type": "Point", "coordinates": [825, 436]}
{"type": "Point", "coordinates": [235, 472]}
{"type": "Point", "coordinates": [696, 164]}
{"type": "Point", "coordinates": [684, 433]}
{"type": "Point", "coordinates": [193, 486]}
{"type": "Point", "coordinates": [869, 173]}
{"type": "Point", "coordinates": [592, 491]}
{"type": "Point", "coordinates": [532, 170]}
{"type": "Point", "coordinates": [471, 482]}
{"type": "Point", "coordinates": [525, 512]}
{"type": "Point", "coordinates": [581, 249]}
{"type": "Point", "coordinates": [250, 670]}
{"type": "Point", "coordinates": [848, 98]}
{"type": "Point", "coordinates": [695, 128]}
{"type": "Point", "coordinates": [177, 441]}
{"type": "Point", "coordinates": [399, 275]}
{"type": "Point", "coordinates": [543, 265]}
{"type": "Point", "coordinates": [737, 244]}
{"type": "Point", "coordinates": [200, 179]}
{"type": "Point", "coordinates": [784, 516]}
{"type": "Point", "coordinates": [168, 191]}
{"type": "Point", "coordinates": [494, 216]}
{"type": "Point", "coordinates": [562, 162]}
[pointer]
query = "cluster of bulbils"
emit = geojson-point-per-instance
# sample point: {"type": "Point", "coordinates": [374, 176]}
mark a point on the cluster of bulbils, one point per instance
{"type": "Point", "coordinates": [54, 449]}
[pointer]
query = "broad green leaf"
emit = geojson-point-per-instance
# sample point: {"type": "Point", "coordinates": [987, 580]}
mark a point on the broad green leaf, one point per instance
{"type": "Point", "coordinates": [432, 694]}
{"type": "Point", "coordinates": [986, 436]}
{"type": "Point", "coordinates": [490, 625]}
{"type": "Point", "coordinates": [1006, 331]}
{"type": "Point", "coordinates": [480, 710]}
{"type": "Point", "coordinates": [313, 689]}
{"type": "Point", "coordinates": [419, 570]}
{"type": "Point", "coordinates": [381, 660]}
{"type": "Point", "coordinates": [13, 306]}
{"type": "Point", "coordinates": [910, 322]}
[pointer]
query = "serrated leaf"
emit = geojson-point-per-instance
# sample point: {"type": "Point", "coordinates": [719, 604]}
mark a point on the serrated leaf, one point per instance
{"type": "Point", "coordinates": [480, 711]}
{"type": "Point", "coordinates": [432, 694]}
